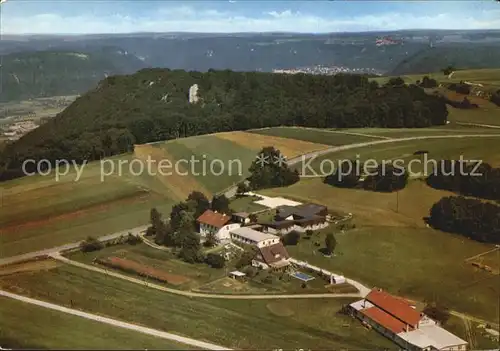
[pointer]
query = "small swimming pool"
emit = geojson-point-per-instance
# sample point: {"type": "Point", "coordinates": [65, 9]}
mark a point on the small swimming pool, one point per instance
{"type": "Point", "coordinates": [302, 276]}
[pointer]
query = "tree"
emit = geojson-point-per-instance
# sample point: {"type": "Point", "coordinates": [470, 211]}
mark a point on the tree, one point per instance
{"type": "Point", "coordinates": [395, 82]}
{"type": "Point", "coordinates": [201, 202]}
{"type": "Point", "coordinates": [215, 261]}
{"type": "Point", "coordinates": [437, 312]}
{"type": "Point", "coordinates": [176, 214]}
{"type": "Point", "coordinates": [190, 250]}
{"type": "Point", "coordinates": [330, 243]}
{"type": "Point", "coordinates": [242, 189]}
{"type": "Point", "coordinates": [90, 244]}
{"type": "Point", "coordinates": [246, 257]}
{"type": "Point", "coordinates": [210, 239]}
{"type": "Point", "coordinates": [253, 217]}
{"type": "Point", "coordinates": [448, 70]}
{"type": "Point", "coordinates": [345, 176]}
{"type": "Point", "coordinates": [291, 238]}
{"type": "Point", "coordinates": [157, 226]}
{"type": "Point", "coordinates": [221, 204]}
{"type": "Point", "coordinates": [269, 170]}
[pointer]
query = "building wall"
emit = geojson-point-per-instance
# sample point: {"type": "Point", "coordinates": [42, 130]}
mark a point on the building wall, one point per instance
{"type": "Point", "coordinates": [224, 232]}
{"type": "Point", "coordinates": [206, 229]}
{"type": "Point", "coordinates": [268, 242]}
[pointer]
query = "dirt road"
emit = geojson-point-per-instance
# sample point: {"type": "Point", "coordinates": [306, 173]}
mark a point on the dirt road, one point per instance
{"type": "Point", "coordinates": [115, 322]}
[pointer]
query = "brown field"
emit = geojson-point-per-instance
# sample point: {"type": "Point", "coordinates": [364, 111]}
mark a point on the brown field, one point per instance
{"type": "Point", "coordinates": [288, 147]}
{"type": "Point", "coordinates": [30, 266]}
{"type": "Point", "coordinates": [175, 184]}
{"type": "Point", "coordinates": [142, 270]}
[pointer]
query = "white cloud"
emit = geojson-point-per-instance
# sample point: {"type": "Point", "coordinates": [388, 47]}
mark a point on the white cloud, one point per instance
{"type": "Point", "coordinates": [189, 19]}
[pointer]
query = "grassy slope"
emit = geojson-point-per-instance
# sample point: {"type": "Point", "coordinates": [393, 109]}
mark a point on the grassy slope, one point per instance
{"type": "Point", "coordinates": [393, 249]}
{"type": "Point", "coordinates": [40, 212]}
{"type": "Point", "coordinates": [44, 328]}
{"type": "Point", "coordinates": [472, 149]}
{"type": "Point", "coordinates": [315, 136]}
{"type": "Point", "coordinates": [208, 149]}
{"type": "Point", "coordinates": [312, 323]}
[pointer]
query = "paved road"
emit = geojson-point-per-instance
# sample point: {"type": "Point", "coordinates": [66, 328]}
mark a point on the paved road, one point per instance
{"type": "Point", "coordinates": [114, 322]}
{"type": "Point", "coordinates": [143, 282]}
{"type": "Point", "coordinates": [30, 255]}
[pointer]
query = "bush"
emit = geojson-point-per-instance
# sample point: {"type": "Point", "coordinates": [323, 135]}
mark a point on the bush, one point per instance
{"type": "Point", "coordinates": [90, 244]}
{"type": "Point", "coordinates": [215, 261]}
{"type": "Point", "coordinates": [133, 239]}
{"type": "Point", "coordinates": [437, 312]}
{"type": "Point", "coordinates": [291, 238]}
{"type": "Point", "coordinates": [250, 271]}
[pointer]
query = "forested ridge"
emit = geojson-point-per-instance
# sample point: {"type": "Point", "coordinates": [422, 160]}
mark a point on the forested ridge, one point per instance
{"type": "Point", "coordinates": [37, 74]}
{"type": "Point", "coordinates": [152, 105]}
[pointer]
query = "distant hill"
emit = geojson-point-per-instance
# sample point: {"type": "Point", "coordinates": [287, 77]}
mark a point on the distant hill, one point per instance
{"type": "Point", "coordinates": [49, 73]}
{"type": "Point", "coordinates": [152, 105]}
{"type": "Point", "coordinates": [471, 56]}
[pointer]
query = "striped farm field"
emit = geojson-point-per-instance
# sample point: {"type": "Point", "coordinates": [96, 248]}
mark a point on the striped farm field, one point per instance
{"type": "Point", "coordinates": [41, 211]}
{"type": "Point", "coordinates": [177, 179]}
{"type": "Point", "coordinates": [211, 162]}
{"type": "Point", "coordinates": [142, 270]}
{"type": "Point", "coordinates": [288, 147]}
{"type": "Point", "coordinates": [316, 136]}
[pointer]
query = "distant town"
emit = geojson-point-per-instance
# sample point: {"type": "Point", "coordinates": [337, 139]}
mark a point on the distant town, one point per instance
{"type": "Point", "coordinates": [328, 70]}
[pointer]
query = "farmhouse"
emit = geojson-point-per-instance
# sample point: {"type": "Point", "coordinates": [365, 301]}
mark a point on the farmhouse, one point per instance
{"type": "Point", "coordinates": [216, 223]}
{"type": "Point", "coordinates": [274, 256]}
{"type": "Point", "coordinates": [399, 321]}
{"type": "Point", "coordinates": [299, 218]}
{"type": "Point", "coordinates": [241, 217]}
{"type": "Point", "coordinates": [251, 236]}
{"type": "Point", "coordinates": [271, 252]}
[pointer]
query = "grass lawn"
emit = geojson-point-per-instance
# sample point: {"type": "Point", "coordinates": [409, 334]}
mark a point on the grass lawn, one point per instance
{"type": "Point", "coordinates": [471, 149]}
{"type": "Point", "coordinates": [198, 274]}
{"type": "Point", "coordinates": [280, 324]}
{"type": "Point", "coordinates": [395, 251]}
{"type": "Point", "coordinates": [321, 136]}
{"type": "Point", "coordinates": [30, 326]}
{"type": "Point", "coordinates": [219, 162]}
{"type": "Point", "coordinates": [246, 204]}
{"type": "Point", "coordinates": [488, 114]}
{"type": "Point", "coordinates": [40, 212]}
{"type": "Point", "coordinates": [480, 339]}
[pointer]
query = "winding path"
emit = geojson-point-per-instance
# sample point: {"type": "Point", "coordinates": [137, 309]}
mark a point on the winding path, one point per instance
{"type": "Point", "coordinates": [115, 322]}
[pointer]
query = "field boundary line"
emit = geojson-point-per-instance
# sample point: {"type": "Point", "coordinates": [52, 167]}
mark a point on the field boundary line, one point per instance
{"type": "Point", "coordinates": [373, 136]}
{"type": "Point", "coordinates": [482, 254]}
{"type": "Point", "coordinates": [114, 322]}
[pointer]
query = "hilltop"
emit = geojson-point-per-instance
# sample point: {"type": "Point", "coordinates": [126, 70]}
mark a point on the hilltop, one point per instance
{"type": "Point", "coordinates": [470, 56]}
{"type": "Point", "coordinates": [37, 74]}
{"type": "Point", "coordinates": [152, 105]}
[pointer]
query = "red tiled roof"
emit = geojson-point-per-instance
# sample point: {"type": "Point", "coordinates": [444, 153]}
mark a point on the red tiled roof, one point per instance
{"type": "Point", "coordinates": [395, 306]}
{"type": "Point", "coordinates": [215, 219]}
{"type": "Point", "coordinates": [273, 253]}
{"type": "Point", "coordinates": [384, 319]}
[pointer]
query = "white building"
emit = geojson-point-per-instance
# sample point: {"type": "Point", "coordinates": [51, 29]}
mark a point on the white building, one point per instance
{"type": "Point", "coordinates": [399, 321]}
{"type": "Point", "coordinates": [251, 236]}
{"type": "Point", "coordinates": [216, 223]}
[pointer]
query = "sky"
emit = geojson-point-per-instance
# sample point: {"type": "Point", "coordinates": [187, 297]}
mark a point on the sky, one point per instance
{"type": "Point", "coordinates": [223, 16]}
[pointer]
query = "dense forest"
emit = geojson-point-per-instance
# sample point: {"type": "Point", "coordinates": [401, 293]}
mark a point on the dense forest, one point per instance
{"type": "Point", "coordinates": [52, 73]}
{"type": "Point", "coordinates": [472, 218]}
{"type": "Point", "coordinates": [384, 178]}
{"type": "Point", "coordinates": [461, 56]}
{"type": "Point", "coordinates": [152, 105]}
{"type": "Point", "coordinates": [465, 179]}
